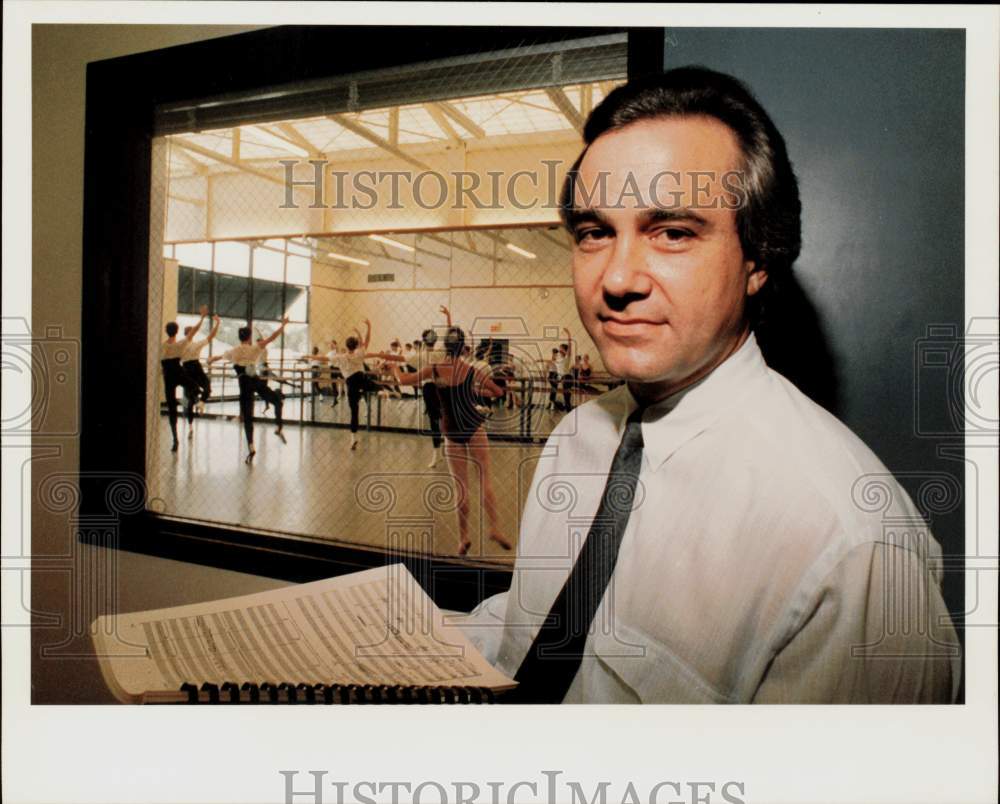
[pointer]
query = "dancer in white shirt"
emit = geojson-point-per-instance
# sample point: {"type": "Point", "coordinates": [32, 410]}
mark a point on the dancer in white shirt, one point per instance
{"type": "Point", "coordinates": [245, 358]}
{"type": "Point", "coordinates": [191, 361]}
{"type": "Point", "coordinates": [174, 376]}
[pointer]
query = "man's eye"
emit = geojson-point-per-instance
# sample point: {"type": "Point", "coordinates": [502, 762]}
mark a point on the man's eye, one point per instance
{"type": "Point", "coordinates": [675, 235]}
{"type": "Point", "coordinates": [592, 235]}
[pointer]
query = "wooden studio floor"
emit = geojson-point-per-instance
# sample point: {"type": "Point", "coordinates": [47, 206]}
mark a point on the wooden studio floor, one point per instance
{"type": "Point", "coordinates": [381, 495]}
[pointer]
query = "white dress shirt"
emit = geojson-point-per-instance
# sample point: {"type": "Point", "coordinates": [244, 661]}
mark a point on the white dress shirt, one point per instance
{"type": "Point", "coordinates": [769, 557]}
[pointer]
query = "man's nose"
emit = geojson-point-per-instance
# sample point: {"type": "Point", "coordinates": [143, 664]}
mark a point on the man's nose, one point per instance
{"type": "Point", "coordinates": [625, 275]}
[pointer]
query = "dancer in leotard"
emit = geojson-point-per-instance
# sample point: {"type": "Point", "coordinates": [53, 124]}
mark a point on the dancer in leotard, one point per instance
{"type": "Point", "coordinates": [244, 359]}
{"type": "Point", "coordinates": [171, 354]}
{"type": "Point", "coordinates": [458, 385]}
{"type": "Point", "coordinates": [192, 363]}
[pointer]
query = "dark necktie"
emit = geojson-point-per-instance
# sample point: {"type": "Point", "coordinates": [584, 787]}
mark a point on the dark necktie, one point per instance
{"type": "Point", "coordinates": [554, 658]}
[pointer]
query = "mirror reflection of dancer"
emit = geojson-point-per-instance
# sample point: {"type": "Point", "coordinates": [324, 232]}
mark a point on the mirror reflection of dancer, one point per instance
{"type": "Point", "coordinates": [171, 354]}
{"type": "Point", "coordinates": [458, 386]}
{"type": "Point", "coordinates": [244, 359]}
{"type": "Point", "coordinates": [191, 361]}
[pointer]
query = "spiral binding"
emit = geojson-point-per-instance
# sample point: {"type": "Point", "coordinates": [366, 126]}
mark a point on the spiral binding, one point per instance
{"type": "Point", "coordinates": [289, 693]}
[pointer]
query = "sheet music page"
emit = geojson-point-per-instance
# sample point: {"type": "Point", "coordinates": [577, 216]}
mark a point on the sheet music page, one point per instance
{"type": "Point", "coordinates": [372, 627]}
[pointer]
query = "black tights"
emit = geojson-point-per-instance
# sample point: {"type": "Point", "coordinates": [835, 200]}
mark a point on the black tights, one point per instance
{"type": "Point", "coordinates": [357, 384]}
{"type": "Point", "coordinates": [432, 404]}
{"type": "Point", "coordinates": [200, 379]}
{"type": "Point", "coordinates": [255, 385]}
{"type": "Point", "coordinates": [174, 376]}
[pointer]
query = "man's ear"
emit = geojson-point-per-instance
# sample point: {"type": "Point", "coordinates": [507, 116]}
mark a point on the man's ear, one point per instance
{"type": "Point", "coordinates": [756, 277]}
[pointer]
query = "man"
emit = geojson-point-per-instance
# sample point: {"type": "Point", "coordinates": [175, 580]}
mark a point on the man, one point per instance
{"type": "Point", "coordinates": [697, 535]}
{"type": "Point", "coordinates": [191, 361]}
{"type": "Point", "coordinates": [171, 354]}
{"type": "Point", "coordinates": [244, 359]}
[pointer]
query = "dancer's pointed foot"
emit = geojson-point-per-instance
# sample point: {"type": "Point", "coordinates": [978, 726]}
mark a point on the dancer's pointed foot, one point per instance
{"type": "Point", "coordinates": [463, 548]}
{"type": "Point", "coordinates": [501, 540]}
{"type": "Point", "coordinates": [280, 435]}
{"type": "Point", "coordinates": [175, 446]}
{"type": "Point", "coordinates": [250, 455]}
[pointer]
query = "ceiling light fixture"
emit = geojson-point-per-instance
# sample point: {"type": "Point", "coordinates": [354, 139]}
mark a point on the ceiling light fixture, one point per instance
{"type": "Point", "coordinates": [390, 242]}
{"type": "Point", "coordinates": [520, 251]}
{"type": "Point", "coordinates": [345, 258]}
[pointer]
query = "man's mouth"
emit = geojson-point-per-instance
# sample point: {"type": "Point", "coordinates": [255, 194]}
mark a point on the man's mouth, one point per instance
{"type": "Point", "coordinates": [627, 326]}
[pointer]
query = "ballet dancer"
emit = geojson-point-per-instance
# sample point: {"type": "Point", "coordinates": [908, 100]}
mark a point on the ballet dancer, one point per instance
{"type": "Point", "coordinates": [244, 359]}
{"type": "Point", "coordinates": [191, 361]}
{"type": "Point", "coordinates": [458, 385]}
{"type": "Point", "coordinates": [351, 365]}
{"type": "Point", "coordinates": [171, 354]}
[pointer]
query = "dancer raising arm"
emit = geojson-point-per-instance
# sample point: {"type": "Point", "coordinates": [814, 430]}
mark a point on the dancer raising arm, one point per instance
{"type": "Point", "coordinates": [458, 386]}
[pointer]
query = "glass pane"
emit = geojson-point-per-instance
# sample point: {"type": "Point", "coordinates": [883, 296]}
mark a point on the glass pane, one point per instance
{"type": "Point", "coordinates": [296, 342]}
{"type": "Point", "coordinates": [198, 255]}
{"type": "Point", "coordinates": [185, 289]}
{"type": "Point", "coordinates": [268, 264]}
{"type": "Point", "coordinates": [297, 303]}
{"type": "Point", "coordinates": [299, 270]}
{"type": "Point", "coordinates": [202, 290]}
{"type": "Point", "coordinates": [267, 304]}
{"type": "Point", "coordinates": [232, 296]}
{"type": "Point", "coordinates": [232, 258]}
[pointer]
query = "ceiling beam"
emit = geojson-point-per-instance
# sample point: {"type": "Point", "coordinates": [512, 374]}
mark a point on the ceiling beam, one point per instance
{"type": "Point", "coordinates": [198, 202]}
{"type": "Point", "coordinates": [461, 118]}
{"type": "Point", "coordinates": [586, 99]}
{"type": "Point", "coordinates": [442, 123]}
{"type": "Point", "coordinates": [199, 168]}
{"type": "Point", "coordinates": [226, 160]}
{"type": "Point", "coordinates": [565, 105]}
{"type": "Point", "coordinates": [356, 128]}
{"type": "Point", "coordinates": [394, 125]}
{"type": "Point", "coordinates": [295, 137]}
{"type": "Point", "coordinates": [438, 239]}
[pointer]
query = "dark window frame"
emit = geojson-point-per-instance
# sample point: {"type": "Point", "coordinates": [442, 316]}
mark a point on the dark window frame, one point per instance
{"type": "Point", "coordinates": [122, 95]}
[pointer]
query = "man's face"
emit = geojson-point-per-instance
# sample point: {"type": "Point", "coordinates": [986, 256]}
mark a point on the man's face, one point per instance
{"type": "Point", "coordinates": [661, 281]}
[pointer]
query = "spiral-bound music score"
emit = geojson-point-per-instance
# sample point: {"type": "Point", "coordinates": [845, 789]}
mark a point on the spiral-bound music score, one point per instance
{"type": "Point", "coordinates": [372, 637]}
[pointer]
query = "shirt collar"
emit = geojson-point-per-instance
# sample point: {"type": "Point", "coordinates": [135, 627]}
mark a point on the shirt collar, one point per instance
{"type": "Point", "coordinates": [693, 409]}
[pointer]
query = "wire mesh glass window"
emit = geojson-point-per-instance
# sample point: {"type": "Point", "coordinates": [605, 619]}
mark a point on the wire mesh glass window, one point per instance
{"type": "Point", "coordinates": [383, 204]}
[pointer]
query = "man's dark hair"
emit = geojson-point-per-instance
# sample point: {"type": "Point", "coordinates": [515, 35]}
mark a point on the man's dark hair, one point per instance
{"type": "Point", "coordinates": [171, 329]}
{"type": "Point", "coordinates": [454, 342]}
{"type": "Point", "coordinates": [244, 334]}
{"type": "Point", "coordinates": [768, 219]}
{"type": "Point", "coordinates": [429, 337]}
{"type": "Point", "coordinates": [352, 343]}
